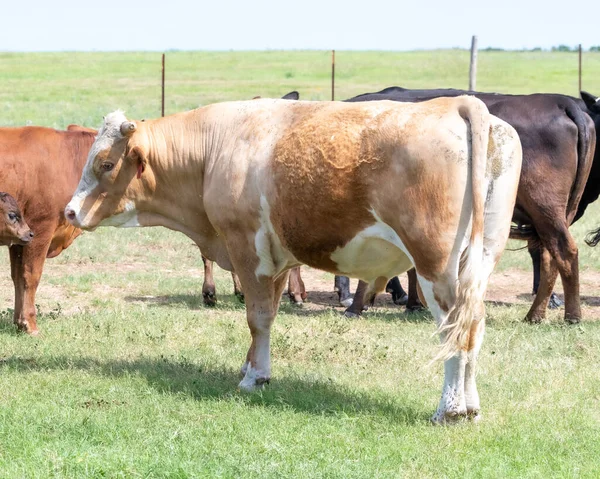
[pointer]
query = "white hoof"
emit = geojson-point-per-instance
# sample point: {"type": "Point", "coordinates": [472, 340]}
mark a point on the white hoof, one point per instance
{"type": "Point", "coordinates": [253, 380]}
{"type": "Point", "coordinates": [346, 303]}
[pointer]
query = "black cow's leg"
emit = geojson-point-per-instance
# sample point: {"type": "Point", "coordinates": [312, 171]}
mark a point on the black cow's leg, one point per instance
{"type": "Point", "coordinates": [394, 287]}
{"type": "Point", "coordinates": [534, 251]}
{"type": "Point", "coordinates": [414, 303]}
{"type": "Point", "coordinates": [548, 275]}
{"type": "Point", "coordinates": [342, 287]}
{"type": "Point", "coordinates": [358, 304]}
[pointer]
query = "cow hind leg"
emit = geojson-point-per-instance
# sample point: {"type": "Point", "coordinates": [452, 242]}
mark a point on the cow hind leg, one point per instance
{"type": "Point", "coordinates": [446, 303]}
{"type": "Point", "coordinates": [473, 347]}
{"type": "Point", "coordinates": [358, 303]}
{"type": "Point", "coordinates": [413, 303]}
{"type": "Point", "coordinates": [342, 288]}
{"type": "Point", "coordinates": [237, 287]}
{"type": "Point", "coordinates": [440, 298]}
{"type": "Point", "coordinates": [536, 260]}
{"type": "Point", "coordinates": [394, 287]}
{"type": "Point", "coordinates": [296, 288]}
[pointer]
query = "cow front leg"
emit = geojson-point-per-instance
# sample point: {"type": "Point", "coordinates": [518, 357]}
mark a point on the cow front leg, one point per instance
{"type": "Point", "coordinates": [262, 303]}
{"type": "Point", "coordinates": [209, 293]}
{"type": "Point", "coordinates": [27, 264]}
{"type": "Point", "coordinates": [548, 275]}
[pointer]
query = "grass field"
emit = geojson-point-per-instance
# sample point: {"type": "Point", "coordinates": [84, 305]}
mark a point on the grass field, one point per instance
{"type": "Point", "coordinates": [133, 377]}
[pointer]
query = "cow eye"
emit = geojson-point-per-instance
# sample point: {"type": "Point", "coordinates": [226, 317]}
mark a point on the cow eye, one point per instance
{"type": "Point", "coordinates": [12, 216]}
{"type": "Point", "coordinates": [107, 166]}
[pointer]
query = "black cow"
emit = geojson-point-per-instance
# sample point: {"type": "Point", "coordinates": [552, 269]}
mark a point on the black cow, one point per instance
{"type": "Point", "coordinates": [559, 154]}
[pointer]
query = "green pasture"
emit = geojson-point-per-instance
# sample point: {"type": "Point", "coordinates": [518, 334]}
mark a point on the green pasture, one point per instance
{"type": "Point", "coordinates": [133, 377]}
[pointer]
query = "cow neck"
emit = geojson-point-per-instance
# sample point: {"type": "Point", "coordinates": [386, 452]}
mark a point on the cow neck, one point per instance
{"type": "Point", "coordinates": [175, 154]}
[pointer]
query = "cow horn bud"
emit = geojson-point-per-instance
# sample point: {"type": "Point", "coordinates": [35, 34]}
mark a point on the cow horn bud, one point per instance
{"type": "Point", "coordinates": [127, 128]}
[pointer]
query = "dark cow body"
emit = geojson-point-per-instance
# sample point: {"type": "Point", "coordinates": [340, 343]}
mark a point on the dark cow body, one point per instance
{"type": "Point", "coordinates": [558, 141]}
{"type": "Point", "coordinates": [41, 168]}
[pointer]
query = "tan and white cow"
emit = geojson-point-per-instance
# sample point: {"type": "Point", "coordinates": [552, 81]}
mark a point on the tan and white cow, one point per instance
{"type": "Point", "coordinates": [225, 175]}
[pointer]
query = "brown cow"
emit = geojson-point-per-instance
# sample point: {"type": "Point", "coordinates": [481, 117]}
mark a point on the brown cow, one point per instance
{"type": "Point", "coordinates": [40, 167]}
{"type": "Point", "coordinates": [13, 228]}
{"type": "Point", "coordinates": [345, 167]}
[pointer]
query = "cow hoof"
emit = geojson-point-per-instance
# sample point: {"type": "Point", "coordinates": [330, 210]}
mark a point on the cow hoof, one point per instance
{"type": "Point", "coordinates": [533, 319]}
{"type": "Point", "coordinates": [555, 302]}
{"type": "Point", "coordinates": [448, 418]}
{"type": "Point", "coordinates": [474, 416]}
{"type": "Point", "coordinates": [402, 300]}
{"type": "Point", "coordinates": [252, 383]}
{"type": "Point", "coordinates": [346, 303]}
{"type": "Point", "coordinates": [572, 320]}
{"type": "Point", "coordinates": [415, 308]}
{"type": "Point", "coordinates": [351, 314]}
{"type": "Point", "coordinates": [210, 299]}
{"type": "Point", "coordinates": [24, 327]}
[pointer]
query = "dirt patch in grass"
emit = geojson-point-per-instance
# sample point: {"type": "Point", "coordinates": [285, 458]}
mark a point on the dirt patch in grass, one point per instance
{"type": "Point", "coordinates": [509, 287]}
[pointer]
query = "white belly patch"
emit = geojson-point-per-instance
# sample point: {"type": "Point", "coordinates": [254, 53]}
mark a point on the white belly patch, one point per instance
{"type": "Point", "coordinates": [374, 252]}
{"type": "Point", "coordinates": [273, 258]}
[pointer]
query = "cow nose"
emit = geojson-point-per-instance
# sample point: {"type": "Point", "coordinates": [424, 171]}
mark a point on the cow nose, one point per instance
{"type": "Point", "coordinates": [30, 234]}
{"type": "Point", "coordinates": [70, 214]}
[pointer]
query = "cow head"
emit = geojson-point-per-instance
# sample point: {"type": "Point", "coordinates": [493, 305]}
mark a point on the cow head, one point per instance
{"type": "Point", "coordinates": [13, 229]}
{"type": "Point", "coordinates": [112, 178]}
{"type": "Point", "coordinates": [591, 102]}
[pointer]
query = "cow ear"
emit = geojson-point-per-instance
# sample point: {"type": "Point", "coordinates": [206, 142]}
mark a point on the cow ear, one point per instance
{"type": "Point", "coordinates": [127, 128]}
{"type": "Point", "coordinates": [293, 95]}
{"type": "Point", "coordinates": [137, 156]}
{"type": "Point", "coordinates": [592, 102]}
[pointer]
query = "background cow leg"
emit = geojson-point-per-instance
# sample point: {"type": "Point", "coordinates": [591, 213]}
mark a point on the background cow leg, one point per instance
{"type": "Point", "coordinates": [548, 275]}
{"type": "Point", "coordinates": [296, 289]}
{"type": "Point", "coordinates": [237, 287]}
{"type": "Point", "coordinates": [534, 251]}
{"type": "Point", "coordinates": [209, 293]}
{"type": "Point", "coordinates": [413, 303]}
{"type": "Point", "coordinates": [263, 297]}
{"type": "Point", "coordinates": [26, 265]}
{"type": "Point", "coordinates": [358, 303]}
{"type": "Point", "coordinates": [341, 285]}
{"type": "Point", "coordinates": [394, 287]}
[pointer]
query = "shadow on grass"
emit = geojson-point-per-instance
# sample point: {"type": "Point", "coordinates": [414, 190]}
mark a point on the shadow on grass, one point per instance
{"type": "Point", "coordinates": [191, 301]}
{"type": "Point", "coordinates": [214, 382]}
{"type": "Point", "coordinates": [383, 311]}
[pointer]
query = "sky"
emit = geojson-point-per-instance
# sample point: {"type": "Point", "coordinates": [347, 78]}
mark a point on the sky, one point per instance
{"type": "Point", "coordinates": [127, 25]}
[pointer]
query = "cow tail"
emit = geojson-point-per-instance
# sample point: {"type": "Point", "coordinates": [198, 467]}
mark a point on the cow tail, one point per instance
{"type": "Point", "coordinates": [586, 141]}
{"type": "Point", "coordinates": [470, 286]}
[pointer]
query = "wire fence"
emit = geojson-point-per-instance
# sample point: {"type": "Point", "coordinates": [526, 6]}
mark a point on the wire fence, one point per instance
{"type": "Point", "coordinates": [56, 89]}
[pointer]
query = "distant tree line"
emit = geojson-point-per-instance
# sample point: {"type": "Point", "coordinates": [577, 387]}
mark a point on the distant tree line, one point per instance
{"type": "Point", "coordinates": [558, 48]}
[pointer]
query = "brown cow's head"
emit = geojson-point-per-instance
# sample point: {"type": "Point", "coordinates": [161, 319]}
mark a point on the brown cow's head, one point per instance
{"type": "Point", "coordinates": [13, 229]}
{"type": "Point", "coordinates": [111, 180]}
